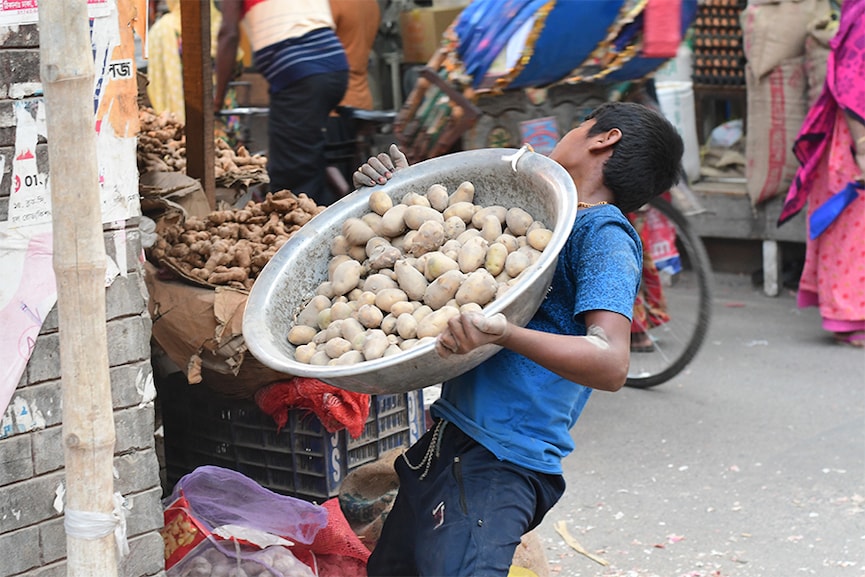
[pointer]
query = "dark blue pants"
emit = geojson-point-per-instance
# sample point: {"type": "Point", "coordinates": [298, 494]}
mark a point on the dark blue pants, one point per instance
{"type": "Point", "coordinates": [296, 135]}
{"type": "Point", "coordinates": [465, 517]}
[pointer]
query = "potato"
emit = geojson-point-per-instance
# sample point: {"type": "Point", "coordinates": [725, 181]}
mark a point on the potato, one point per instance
{"type": "Point", "coordinates": [472, 254]}
{"type": "Point", "coordinates": [323, 319]}
{"type": "Point", "coordinates": [380, 202]}
{"type": "Point", "coordinates": [518, 220]}
{"type": "Point", "coordinates": [339, 245]}
{"type": "Point", "coordinates": [453, 227]}
{"type": "Point", "coordinates": [356, 231]}
{"type": "Point", "coordinates": [539, 238]}
{"type": "Point", "coordinates": [402, 307]}
{"type": "Point", "coordinates": [386, 298]}
{"type": "Point", "coordinates": [442, 289]}
{"type": "Point", "coordinates": [465, 192]}
{"type": "Point", "coordinates": [516, 262]}
{"type": "Point", "coordinates": [392, 349]}
{"type": "Point", "coordinates": [365, 298]}
{"type": "Point", "coordinates": [436, 264]}
{"type": "Point", "coordinates": [479, 287]}
{"type": "Point", "coordinates": [350, 328]}
{"type": "Point", "coordinates": [309, 315]}
{"type": "Point", "coordinates": [468, 234]}
{"type": "Point", "coordinates": [388, 324]}
{"type": "Point", "coordinates": [370, 316]}
{"type": "Point", "coordinates": [422, 311]}
{"type": "Point", "coordinates": [480, 215]}
{"type": "Point", "coordinates": [428, 237]}
{"type": "Point", "coordinates": [437, 195]}
{"type": "Point", "coordinates": [375, 243]}
{"type": "Point", "coordinates": [350, 357]}
{"type": "Point", "coordinates": [492, 228]}
{"type": "Point", "coordinates": [357, 252]}
{"type": "Point", "coordinates": [410, 280]}
{"type": "Point", "coordinates": [336, 347]}
{"type": "Point", "coordinates": [416, 215]}
{"type": "Point", "coordinates": [415, 199]}
{"type": "Point", "coordinates": [373, 220]}
{"type": "Point", "coordinates": [378, 282]}
{"type": "Point", "coordinates": [346, 276]}
{"type": "Point", "coordinates": [301, 334]}
{"type": "Point", "coordinates": [433, 324]}
{"type": "Point", "coordinates": [383, 257]}
{"type": "Point", "coordinates": [340, 311]}
{"type": "Point", "coordinates": [510, 241]}
{"type": "Point", "coordinates": [375, 345]}
{"type": "Point", "coordinates": [406, 326]}
{"type": "Point", "coordinates": [393, 221]}
{"type": "Point", "coordinates": [325, 289]}
{"type": "Point", "coordinates": [462, 210]}
{"type": "Point", "coordinates": [335, 262]}
{"type": "Point", "coordinates": [495, 258]}
{"type": "Point", "coordinates": [319, 358]}
{"type": "Point", "coordinates": [304, 353]}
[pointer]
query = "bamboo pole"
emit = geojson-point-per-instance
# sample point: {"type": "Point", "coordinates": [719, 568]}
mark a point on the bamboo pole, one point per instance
{"type": "Point", "coordinates": [66, 69]}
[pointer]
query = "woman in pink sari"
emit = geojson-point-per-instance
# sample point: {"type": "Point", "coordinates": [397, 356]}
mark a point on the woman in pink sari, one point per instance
{"type": "Point", "coordinates": [831, 150]}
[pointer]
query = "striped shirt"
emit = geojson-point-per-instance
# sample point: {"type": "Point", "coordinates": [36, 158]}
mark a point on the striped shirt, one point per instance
{"type": "Point", "coordinates": [292, 40]}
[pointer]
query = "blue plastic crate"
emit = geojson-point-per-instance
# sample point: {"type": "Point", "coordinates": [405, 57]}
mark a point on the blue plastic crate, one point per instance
{"type": "Point", "coordinates": [304, 460]}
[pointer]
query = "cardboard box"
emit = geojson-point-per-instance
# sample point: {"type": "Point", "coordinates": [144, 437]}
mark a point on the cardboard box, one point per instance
{"type": "Point", "coordinates": [422, 30]}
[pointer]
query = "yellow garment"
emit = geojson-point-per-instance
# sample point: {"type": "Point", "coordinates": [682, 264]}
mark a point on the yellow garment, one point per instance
{"type": "Point", "coordinates": [164, 65]}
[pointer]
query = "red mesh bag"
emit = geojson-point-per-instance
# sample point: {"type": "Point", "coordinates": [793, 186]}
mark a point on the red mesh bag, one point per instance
{"type": "Point", "coordinates": [337, 409]}
{"type": "Point", "coordinates": [336, 550]}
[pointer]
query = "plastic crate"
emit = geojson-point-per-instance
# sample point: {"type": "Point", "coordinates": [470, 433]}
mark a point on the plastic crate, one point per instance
{"type": "Point", "coordinates": [304, 460]}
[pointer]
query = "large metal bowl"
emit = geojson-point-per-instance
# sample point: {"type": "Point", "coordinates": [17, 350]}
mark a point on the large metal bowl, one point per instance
{"type": "Point", "coordinates": [536, 183]}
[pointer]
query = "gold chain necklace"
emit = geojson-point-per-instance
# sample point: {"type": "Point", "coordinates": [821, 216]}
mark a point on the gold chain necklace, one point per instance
{"type": "Point", "coordinates": [590, 205]}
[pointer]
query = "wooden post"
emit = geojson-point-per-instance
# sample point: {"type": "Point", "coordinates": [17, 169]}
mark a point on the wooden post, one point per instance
{"type": "Point", "coordinates": [198, 95]}
{"type": "Point", "coordinates": [66, 69]}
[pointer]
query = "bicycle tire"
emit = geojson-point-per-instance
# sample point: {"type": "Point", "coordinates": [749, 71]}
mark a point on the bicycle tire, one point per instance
{"type": "Point", "coordinates": [689, 304]}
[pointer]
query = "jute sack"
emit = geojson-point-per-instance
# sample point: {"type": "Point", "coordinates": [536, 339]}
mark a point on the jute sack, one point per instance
{"type": "Point", "coordinates": [773, 32]}
{"type": "Point", "coordinates": [777, 105]}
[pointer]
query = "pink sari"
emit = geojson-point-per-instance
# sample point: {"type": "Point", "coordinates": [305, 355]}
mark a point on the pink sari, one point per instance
{"type": "Point", "coordinates": [834, 274]}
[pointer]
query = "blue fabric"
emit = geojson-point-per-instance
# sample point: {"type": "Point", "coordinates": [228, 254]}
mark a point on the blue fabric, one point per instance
{"type": "Point", "coordinates": [639, 66]}
{"type": "Point", "coordinates": [468, 504]}
{"type": "Point", "coordinates": [825, 214]}
{"type": "Point", "coordinates": [286, 62]}
{"type": "Point", "coordinates": [571, 31]}
{"type": "Point", "coordinates": [519, 410]}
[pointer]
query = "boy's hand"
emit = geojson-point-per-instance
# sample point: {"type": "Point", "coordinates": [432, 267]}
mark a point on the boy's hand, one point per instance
{"type": "Point", "coordinates": [468, 331]}
{"type": "Point", "coordinates": [380, 168]}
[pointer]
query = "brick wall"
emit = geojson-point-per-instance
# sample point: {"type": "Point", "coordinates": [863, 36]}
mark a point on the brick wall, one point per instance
{"type": "Point", "coordinates": [30, 449]}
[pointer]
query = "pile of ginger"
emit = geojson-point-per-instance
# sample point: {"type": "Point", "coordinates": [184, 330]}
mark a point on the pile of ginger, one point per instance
{"type": "Point", "coordinates": [230, 247]}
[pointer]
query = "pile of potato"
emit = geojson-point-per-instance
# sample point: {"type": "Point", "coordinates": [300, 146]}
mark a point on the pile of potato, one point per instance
{"type": "Point", "coordinates": [162, 148]}
{"type": "Point", "coordinates": [402, 270]}
{"type": "Point", "coordinates": [230, 247]}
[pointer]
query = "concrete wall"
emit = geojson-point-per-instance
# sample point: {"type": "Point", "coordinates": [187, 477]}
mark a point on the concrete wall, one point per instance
{"type": "Point", "coordinates": [32, 539]}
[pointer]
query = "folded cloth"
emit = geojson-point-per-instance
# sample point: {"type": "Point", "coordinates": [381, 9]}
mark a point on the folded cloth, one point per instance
{"type": "Point", "coordinates": [336, 408]}
{"type": "Point", "coordinates": [825, 214]}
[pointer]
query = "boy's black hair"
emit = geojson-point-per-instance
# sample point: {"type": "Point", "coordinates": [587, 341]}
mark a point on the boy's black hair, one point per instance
{"type": "Point", "coordinates": [646, 161]}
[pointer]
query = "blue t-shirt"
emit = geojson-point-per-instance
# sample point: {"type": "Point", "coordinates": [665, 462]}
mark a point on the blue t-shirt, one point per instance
{"type": "Point", "coordinates": [514, 407]}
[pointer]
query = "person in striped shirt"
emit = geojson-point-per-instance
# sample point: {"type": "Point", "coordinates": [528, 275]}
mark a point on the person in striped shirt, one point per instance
{"type": "Point", "coordinates": [295, 48]}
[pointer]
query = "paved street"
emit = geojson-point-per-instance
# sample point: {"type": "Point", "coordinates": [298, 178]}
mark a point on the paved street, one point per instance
{"type": "Point", "coordinates": [750, 464]}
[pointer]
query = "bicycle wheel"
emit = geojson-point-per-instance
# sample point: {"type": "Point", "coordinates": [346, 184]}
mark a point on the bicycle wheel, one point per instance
{"type": "Point", "coordinates": [686, 287]}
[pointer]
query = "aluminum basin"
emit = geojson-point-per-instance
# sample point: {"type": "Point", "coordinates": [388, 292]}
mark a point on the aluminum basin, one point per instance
{"type": "Point", "coordinates": [537, 184]}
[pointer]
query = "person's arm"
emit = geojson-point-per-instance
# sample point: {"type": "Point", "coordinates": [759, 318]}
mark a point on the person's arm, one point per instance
{"type": "Point", "coordinates": [226, 49]}
{"type": "Point", "coordinates": [598, 360]}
